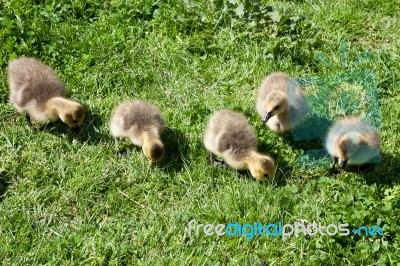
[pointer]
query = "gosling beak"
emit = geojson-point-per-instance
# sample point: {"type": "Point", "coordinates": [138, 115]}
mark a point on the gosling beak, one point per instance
{"type": "Point", "coordinates": [343, 164]}
{"type": "Point", "coordinates": [266, 117]}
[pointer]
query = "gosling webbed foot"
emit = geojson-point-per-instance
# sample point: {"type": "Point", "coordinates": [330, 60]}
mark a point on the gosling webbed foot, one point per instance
{"type": "Point", "coordinates": [30, 125]}
{"type": "Point", "coordinates": [334, 161]}
{"type": "Point", "coordinates": [216, 162]}
{"type": "Point", "coordinates": [343, 164]}
{"type": "Point", "coordinates": [117, 152]}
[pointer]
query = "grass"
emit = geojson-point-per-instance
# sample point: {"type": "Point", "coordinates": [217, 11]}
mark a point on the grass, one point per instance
{"type": "Point", "coordinates": [65, 198]}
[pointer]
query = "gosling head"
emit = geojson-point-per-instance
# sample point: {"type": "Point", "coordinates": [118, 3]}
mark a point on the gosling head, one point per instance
{"type": "Point", "coordinates": [154, 150]}
{"type": "Point", "coordinates": [275, 104]}
{"type": "Point", "coordinates": [347, 146]}
{"type": "Point", "coordinates": [73, 115]}
{"type": "Point", "coordinates": [262, 167]}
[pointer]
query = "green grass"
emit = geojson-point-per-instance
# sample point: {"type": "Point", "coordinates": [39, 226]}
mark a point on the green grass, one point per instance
{"type": "Point", "coordinates": [65, 198]}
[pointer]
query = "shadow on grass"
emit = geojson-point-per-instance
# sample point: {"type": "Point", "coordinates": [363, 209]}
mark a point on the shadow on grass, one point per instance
{"type": "Point", "coordinates": [5, 182]}
{"type": "Point", "coordinates": [88, 132]}
{"type": "Point", "coordinates": [219, 171]}
{"type": "Point", "coordinates": [314, 127]}
{"type": "Point", "coordinates": [283, 165]}
{"type": "Point", "coordinates": [305, 145]}
{"type": "Point", "coordinates": [386, 172]}
{"type": "Point", "coordinates": [176, 150]}
{"type": "Point", "coordinates": [308, 136]}
{"type": "Point", "coordinates": [279, 179]}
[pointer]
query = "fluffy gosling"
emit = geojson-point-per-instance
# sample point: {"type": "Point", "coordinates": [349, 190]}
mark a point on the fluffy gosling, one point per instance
{"type": "Point", "coordinates": [231, 137]}
{"type": "Point", "coordinates": [36, 91]}
{"type": "Point", "coordinates": [353, 141]}
{"type": "Point", "coordinates": [142, 123]}
{"type": "Point", "coordinates": [281, 103]}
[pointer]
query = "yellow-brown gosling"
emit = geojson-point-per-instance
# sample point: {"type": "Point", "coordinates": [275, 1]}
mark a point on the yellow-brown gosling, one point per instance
{"type": "Point", "coordinates": [142, 123]}
{"type": "Point", "coordinates": [36, 91]}
{"type": "Point", "coordinates": [281, 103]}
{"type": "Point", "coordinates": [231, 137]}
{"type": "Point", "coordinates": [352, 141]}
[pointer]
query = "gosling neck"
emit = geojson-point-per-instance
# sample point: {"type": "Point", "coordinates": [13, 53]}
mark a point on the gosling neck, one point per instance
{"type": "Point", "coordinates": [251, 157]}
{"type": "Point", "coordinates": [56, 105]}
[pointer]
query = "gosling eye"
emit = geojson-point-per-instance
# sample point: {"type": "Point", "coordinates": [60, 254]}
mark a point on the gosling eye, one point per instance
{"type": "Point", "coordinates": [276, 107]}
{"type": "Point", "coordinates": [75, 121]}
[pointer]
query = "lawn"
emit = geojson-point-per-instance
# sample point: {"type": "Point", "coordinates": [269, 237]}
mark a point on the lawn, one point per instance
{"type": "Point", "coordinates": [66, 199]}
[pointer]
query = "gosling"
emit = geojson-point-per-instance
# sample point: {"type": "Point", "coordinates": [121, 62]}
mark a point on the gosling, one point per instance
{"type": "Point", "coordinates": [231, 137]}
{"type": "Point", "coordinates": [37, 92]}
{"type": "Point", "coordinates": [142, 123]}
{"type": "Point", "coordinates": [281, 103]}
{"type": "Point", "coordinates": [353, 141]}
